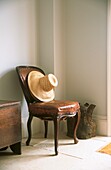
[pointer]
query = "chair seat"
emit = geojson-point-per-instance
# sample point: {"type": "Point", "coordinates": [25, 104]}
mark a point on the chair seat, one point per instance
{"type": "Point", "coordinates": [55, 107]}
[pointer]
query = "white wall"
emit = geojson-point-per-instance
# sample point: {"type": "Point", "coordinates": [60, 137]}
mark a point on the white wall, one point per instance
{"type": "Point", "coordinates": [18, 45]}
{"type": "Point", "coordinates": [80, 52]}
{"type": "Point", "coordinates": [59, 56]}
{"type": "Point", "coordinates": [46, 55]}
{"type": "Point", "coordinates": [109, 69]}
{"type": "Point", "coordinates": [67, 37]}
{"type": "Point", "coordinates": [86, 53]}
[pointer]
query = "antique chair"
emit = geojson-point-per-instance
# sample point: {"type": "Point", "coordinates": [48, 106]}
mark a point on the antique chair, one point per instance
{"type": "Point", "coordinates": [54, 110]}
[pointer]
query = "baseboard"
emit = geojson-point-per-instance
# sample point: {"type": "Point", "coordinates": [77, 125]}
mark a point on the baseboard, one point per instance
{"type": "Point", "coordinates": [101, 122]}
{"type": "Point", "coordinates": [24, 127]}
{"type": "Point", "coordinates": [38, 126]}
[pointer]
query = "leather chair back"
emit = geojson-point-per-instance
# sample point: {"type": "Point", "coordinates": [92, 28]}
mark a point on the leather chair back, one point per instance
{"type": "Point", "coordinates": [23, 72]}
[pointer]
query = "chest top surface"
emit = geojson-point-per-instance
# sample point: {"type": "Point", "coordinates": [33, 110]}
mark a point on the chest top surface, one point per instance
{"type": "Point", "coordinates": [4, 103]}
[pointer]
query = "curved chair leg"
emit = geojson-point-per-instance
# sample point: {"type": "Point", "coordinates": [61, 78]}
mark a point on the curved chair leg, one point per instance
{"type": "Point", "coordinates": [29, 129]}
{"type": "Point", "coordinates": [46, 128]}
{"type": "Point", "coordinates": [56, 132]}
{"type": "Point", "coordinates": [76, 126]}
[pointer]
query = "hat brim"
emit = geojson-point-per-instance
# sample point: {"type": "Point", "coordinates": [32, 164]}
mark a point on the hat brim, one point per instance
{"type": "Point", "coordinates": [36, 90]}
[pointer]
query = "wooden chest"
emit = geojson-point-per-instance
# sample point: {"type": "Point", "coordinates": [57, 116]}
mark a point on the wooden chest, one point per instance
{"type": "Point", "coordinates": [10, 125]}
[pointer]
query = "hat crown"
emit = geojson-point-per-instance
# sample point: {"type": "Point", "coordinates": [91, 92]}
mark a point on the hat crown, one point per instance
{"type": "Point", "coordinates": [42, 86]}
{"type": "Point", "coordinates": [48, 82]}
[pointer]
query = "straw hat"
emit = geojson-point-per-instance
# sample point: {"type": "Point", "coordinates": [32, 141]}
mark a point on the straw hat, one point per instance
{"type": "Point", "coordinates": [42, 86]}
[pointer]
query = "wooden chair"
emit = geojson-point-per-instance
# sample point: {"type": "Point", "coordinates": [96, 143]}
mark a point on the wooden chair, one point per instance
{"type": "Point", "coordinates": [54, 110]}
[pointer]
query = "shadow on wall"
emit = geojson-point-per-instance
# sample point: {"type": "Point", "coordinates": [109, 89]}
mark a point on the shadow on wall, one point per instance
{"type": "Point", "coordinates": [9, 86]}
